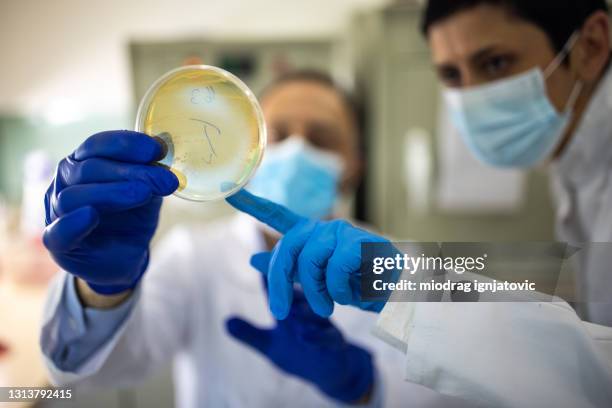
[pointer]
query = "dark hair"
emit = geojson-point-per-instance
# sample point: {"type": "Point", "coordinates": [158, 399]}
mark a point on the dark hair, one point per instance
{"type": "Point", "coordinates": [558, 18]}
{"type": "Point", "coordinates": [351, 102]}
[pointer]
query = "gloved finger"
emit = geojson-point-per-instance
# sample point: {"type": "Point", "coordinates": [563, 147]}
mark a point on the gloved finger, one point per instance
{"type": "Point", "coordinates": [161, 181]}
{"type": "Point", "coordinates": [261, 262]}
{"type": "Point", "coordinates": [105, 197]}
{"type": "Point", "coordinates": [121, 145]}
{"type": "Point", "coordinates": [345, 262]}
{"type": "Point", "coordinates": [50, 216]}
{"type": "Point", "coordinates": [338, 277]}
{"type": "Point", "coordinates": [311, 269]}
{"type": "Point", "coordinates": [344, 265]}
{"type": "Point", "coordinates": [66, 232]}
{"type": "Point", "coordinates": [259, 339]}
{"type": "Point", "coordinates": [282, 265]}
{"type": "Point", "coordinates": [268, 212]}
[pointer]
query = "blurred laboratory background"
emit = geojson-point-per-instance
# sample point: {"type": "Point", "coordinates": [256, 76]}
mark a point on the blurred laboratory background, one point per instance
{"type": "Point", "coordinates": [71, 68]}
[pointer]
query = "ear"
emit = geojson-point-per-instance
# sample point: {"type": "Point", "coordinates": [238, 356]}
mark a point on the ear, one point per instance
{"type": "Point", "coordinates": [592, 53]}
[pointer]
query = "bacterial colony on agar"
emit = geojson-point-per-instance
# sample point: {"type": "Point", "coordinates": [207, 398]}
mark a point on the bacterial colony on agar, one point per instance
{"type": "Point", "coordinates": [212, 126]}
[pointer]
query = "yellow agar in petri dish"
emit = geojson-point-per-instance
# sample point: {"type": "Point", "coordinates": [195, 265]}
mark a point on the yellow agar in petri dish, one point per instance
{"type": "Point", "coordinates": [212, 125]}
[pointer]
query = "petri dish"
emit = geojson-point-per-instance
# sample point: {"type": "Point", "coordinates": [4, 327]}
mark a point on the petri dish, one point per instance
{"type": "Point", "coordinates": [213, 128]}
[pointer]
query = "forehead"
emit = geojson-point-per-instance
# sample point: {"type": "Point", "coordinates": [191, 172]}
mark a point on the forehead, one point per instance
{"type": "Point", "coordinates": [301, 98]}
{"type": "Point", "coordinates": [469, 31]}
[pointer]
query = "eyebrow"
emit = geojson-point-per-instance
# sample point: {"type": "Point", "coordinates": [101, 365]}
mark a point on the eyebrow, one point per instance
{"type": "Point", "coordinates": [475, 57]}
{"type": "Point", "coordinates": [483, 53]}
{"type": "Point", "coordinates": [326, 127]}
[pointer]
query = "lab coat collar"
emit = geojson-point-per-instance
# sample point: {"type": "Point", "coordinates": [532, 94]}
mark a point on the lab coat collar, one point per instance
{"type": "Point", "coordinates": [589, 151]}
{"type": "Point", "coordinates": [248, 241]}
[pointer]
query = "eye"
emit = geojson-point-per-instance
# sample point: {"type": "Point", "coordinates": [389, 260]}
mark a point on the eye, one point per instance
{"type": "Point", "coordinates": [450, 76]}
{"type": "Point", "coordinates": [319, 140]}
{"type": "Point", "coordinates": [497, 66]}
{"type": "Point", "coordinates": [278, 133]}
{"type": "Point", "coordinates": [323, 137]}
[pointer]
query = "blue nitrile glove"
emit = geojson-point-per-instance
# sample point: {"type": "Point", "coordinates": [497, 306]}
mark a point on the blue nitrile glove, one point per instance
{"type": "Point", "coordinates": [323, 256]}
{"type": "Point", "coordinates": [102, 209]}
{"type": "Point", "coordinates": [311, 348]}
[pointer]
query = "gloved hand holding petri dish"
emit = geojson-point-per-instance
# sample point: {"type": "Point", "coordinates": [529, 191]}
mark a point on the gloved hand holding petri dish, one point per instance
{"type": "Point", "coordinates": [212, 126]}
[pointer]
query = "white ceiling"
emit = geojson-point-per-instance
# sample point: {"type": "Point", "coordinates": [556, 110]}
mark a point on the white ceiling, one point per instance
{"type": "Point", "coordinates": [73, 52]}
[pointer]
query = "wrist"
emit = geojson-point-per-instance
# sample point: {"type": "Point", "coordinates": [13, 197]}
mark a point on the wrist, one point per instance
{"type": "Point", "coordinates": [91, 298]}
{"type": "Point", "coordinates": [359, 383]}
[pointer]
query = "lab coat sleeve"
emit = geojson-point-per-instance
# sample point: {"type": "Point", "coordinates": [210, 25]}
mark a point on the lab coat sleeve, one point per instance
{"type": "Point", "coordinates": [503, 354]}
{"type": "Point", "coordinates": [596, 277]}
{"type": "Point", "coordinates": [76, 332]}
{"type": "Point", "coordinates": [154, 330]}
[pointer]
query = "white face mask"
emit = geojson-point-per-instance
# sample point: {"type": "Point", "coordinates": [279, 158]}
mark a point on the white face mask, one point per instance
{"type": "Point", "coordinates": [512, 123]}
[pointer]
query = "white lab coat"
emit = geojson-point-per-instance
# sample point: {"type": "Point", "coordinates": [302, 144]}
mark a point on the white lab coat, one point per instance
{"type": "Point", "coordinates": [530, 354]}
{"type": "Point", "coordinates": [582, 185]}
{"type": "Point", "coordinates": [199, 277]}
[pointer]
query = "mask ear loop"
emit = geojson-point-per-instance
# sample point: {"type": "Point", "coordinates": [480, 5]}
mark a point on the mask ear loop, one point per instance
{"type": "Point", "coordinates": [573, 98]}
{"type": "Point", "coordinates": [556, 63]}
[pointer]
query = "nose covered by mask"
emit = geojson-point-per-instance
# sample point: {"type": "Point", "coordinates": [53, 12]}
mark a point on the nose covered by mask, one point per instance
{"type": "Point", "coordinates": [300, 177]}
{"type": "Point", "coordinates": [512, 123]}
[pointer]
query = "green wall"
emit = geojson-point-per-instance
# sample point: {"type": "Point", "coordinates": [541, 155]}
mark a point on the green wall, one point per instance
{"type": "Point", "coordinates": [20, 135]}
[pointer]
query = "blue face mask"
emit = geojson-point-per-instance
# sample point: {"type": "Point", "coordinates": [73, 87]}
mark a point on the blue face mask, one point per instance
{"type": "Point", "coordinates": [512, 123]}
{"type": "Point", "coordinates": [300, 177]}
